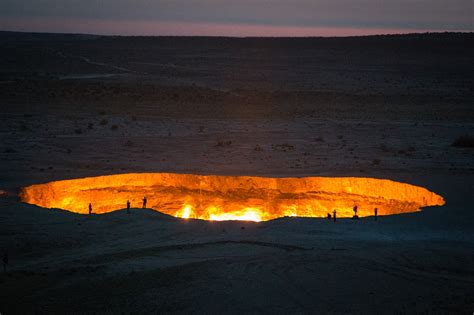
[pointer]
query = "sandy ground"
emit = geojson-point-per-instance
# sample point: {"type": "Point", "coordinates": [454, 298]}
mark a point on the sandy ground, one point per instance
{"type": "Point", "coordinates": [93, 114]}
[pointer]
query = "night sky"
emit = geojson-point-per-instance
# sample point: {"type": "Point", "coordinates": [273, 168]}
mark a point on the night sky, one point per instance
{"type": "Point", "coordinates": [237, 18]}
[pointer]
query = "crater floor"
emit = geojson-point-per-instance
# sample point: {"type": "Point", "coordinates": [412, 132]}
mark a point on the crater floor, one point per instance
{"type": "Point", "coordinates": [212, 197]}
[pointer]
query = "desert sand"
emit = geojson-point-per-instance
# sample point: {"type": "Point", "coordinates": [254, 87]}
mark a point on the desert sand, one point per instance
{"type": "Point", "coordinates": [387, 107]}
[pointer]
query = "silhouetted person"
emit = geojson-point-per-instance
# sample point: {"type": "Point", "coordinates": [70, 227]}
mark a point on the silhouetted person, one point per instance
{"type": "Point", "coordinates": [5, 261]}
{"type": "Point", "coordinates": [144, 202]}
{"type": "Point", "coordinates": [355, 217]}
{"type": "Point", "coordinates": [375, 213]}
{"type": "Point", "coordinates": [90, 208]}
{"type": "Point", "coordinates": [334, 215]}
{"type": "Point", "coordinates": [128, 206]}
{"type": "Point", "coordinates": [329, 216]}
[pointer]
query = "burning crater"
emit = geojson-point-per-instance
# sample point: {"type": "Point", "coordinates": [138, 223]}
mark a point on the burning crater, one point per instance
{"type": "Point", "coordinates": [232, 197]}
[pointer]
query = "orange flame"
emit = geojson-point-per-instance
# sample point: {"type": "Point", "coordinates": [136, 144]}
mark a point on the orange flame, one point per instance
{"type": "Point", "coordinates": [233, 197]}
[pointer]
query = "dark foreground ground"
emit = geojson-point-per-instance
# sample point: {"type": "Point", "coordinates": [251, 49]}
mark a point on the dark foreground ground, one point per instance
{"type": "Point", "coordinates": [386, 107]}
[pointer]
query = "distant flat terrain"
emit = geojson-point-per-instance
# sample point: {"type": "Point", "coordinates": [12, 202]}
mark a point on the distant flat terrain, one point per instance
{"type": "Point", "coordinates": [383, 106]}
{"type": "Point", "coordinates": [377, 76]}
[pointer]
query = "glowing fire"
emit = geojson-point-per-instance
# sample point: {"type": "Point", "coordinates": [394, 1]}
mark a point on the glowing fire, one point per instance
{"type": "Point", "coordinates": [248, 214]}
{"type": "Point", "coordinates": [233, 197]}
{"type": "Point", "coordinates": [185, 212]}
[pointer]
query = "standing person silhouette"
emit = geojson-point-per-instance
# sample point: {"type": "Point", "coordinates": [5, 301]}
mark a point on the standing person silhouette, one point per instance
{"type": "Point", "coordinates": [355, 217]}
{"type": "Point", "coordinates": [90, 208]}
{"type": "Point", "coordinates": [375, 213]}
{"type": "Point", "coordinates": [128, 206]}
{"type": "Point", "coordinates": [144, 202]}
{"type": "Point", "coordinates": [334, 215]}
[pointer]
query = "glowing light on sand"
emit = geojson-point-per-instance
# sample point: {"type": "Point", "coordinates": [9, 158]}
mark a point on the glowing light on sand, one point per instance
{"type": "Point", "coordinates": [233, 197]}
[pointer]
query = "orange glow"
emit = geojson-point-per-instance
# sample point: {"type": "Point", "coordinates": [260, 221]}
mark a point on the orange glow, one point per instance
{"type": "Point", "coordinates": [232, 197]}
{"type": "Point", "coordinates": [247, 214]}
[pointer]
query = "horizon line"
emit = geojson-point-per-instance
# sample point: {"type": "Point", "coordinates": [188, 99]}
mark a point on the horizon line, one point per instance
{"type": "Point", "coordinates": [243, 36]}
{"type": "Point", "coordinates": [193, 29]}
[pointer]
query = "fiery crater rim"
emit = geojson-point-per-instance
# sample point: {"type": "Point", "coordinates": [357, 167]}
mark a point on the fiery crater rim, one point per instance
{"type": "Point", "coordinates": [219, 197]}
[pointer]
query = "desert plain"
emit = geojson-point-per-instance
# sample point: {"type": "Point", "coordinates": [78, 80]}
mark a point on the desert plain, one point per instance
{"type": "Point", "coordinates": [388, 107]}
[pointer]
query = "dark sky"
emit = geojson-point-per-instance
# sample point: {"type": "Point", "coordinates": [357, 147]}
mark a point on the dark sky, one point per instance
{"type": "Point", "coordinates": [237, 18]}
